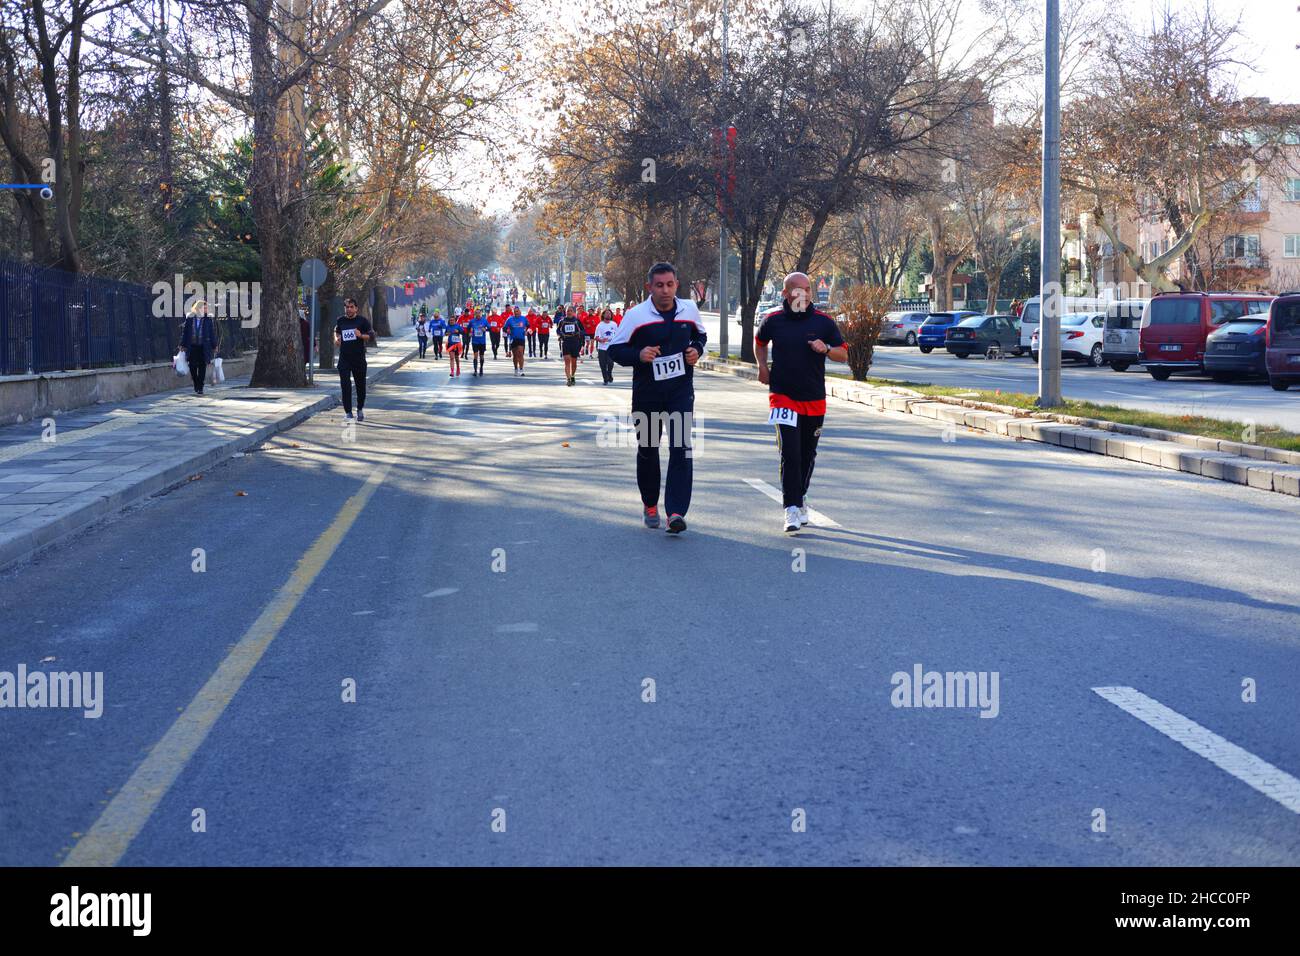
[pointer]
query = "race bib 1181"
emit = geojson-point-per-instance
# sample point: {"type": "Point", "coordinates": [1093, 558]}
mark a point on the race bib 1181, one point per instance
{"type": "Point", "coordinates": [669, 366]}
{"type": "Point", "coordinates": [783, 416]}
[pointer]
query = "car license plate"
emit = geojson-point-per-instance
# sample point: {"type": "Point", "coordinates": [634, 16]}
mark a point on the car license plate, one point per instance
{"type": "Point", "coordinates": [1113, 337]}
{"type": "Point", "coordinates": [1293, 360]}
{"type": "Point", "coordinates": [1171, 348]}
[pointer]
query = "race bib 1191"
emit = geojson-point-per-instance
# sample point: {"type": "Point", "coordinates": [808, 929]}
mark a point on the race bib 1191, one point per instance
{"type": "Point", "coordinates": [783, 416]}
{"type": "Point", "coordinates": [669, 366]}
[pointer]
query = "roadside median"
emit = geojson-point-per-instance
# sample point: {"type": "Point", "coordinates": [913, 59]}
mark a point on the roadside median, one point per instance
{"type": "Point", "coordinates": [60, 476]}
{"type": "Point", "coordinates": [1258, 466]}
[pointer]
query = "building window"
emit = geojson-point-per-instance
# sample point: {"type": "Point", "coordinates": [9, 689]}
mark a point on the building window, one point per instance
{"type": "Point", "coordinates": [1291, 189]}
{"type": "Point", "coordinates": [1291, 246]}
{"type": "Point", "coordinates": [1241, 247]}
{"type": "Point", "coordinates": [1164, 246]}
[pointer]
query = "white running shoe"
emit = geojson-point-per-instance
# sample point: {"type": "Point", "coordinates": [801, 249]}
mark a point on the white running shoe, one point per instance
{"type": "Point", "coordinates": [791, 519]}
{"type": "Point", "coordinates": [803, 513]}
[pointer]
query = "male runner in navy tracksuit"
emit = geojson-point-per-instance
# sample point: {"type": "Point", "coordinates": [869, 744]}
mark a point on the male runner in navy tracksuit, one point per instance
{"type": "Point", "coordinates": [661, 339]}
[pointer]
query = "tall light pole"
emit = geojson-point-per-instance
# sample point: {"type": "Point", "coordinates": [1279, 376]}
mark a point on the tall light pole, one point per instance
{"type": "Point", "coordinates": [1049, 308]}
{"type": "Point", "coordinates": [722, 226]}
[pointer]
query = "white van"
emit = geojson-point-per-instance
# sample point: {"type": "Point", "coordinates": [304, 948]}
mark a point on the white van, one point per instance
{"type": "Point", "coordinates": [1123, 326]}
{"type": "Point", "coordinates": [1029, 317]}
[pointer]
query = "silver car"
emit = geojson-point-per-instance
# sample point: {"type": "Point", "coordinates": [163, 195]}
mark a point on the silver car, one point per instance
{"type": "Point", "coordinates": [901, 327]}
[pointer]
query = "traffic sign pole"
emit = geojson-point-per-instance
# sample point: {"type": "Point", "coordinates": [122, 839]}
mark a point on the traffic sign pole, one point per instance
{"type": "Point", "coordinates": [312, 273]}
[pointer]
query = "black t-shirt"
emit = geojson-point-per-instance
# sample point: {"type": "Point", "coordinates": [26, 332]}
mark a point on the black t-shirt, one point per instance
{"type": "Point", "coordinates": [798, 372]}
{"type": "Point", "coordinates": [568, 327]}
{"type": "Point", "coordinates": [353, 348]}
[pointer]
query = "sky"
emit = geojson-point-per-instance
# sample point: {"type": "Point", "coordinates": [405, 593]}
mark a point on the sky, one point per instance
{"type": "Point", "coordinates": [1270, 29]}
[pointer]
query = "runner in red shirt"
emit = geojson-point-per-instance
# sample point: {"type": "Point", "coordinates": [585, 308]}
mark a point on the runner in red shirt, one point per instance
{"type": "Point", "coordinates": [589, 322]}
{"type": "Point", "coordinates": [532, 333]}
{"type": "Point", "coordinates": [543, 334]}
{"type": "Point", "coordinates": [495, 322]}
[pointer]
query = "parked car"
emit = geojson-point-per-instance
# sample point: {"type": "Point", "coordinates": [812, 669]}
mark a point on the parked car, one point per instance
{"type": "Point", "coordinates": [1070, 305]}
{"type": "Point", "coordinates": [1120, 345]}
{"type": "Point", "coordinates": [1282, 341]}
{"type": "Point", "coordinates": [1237, 349]}
{"type": "Point", "coordinates": [989, 335]}
{"type": "Point", "coordinates": [1176, 324]}
{"type": "Point", "coordinates": [901, 327]}
{"type": "Point", "coordinates": [934, 330]}
{"type": "Point", "coordinates": [1080, 337]}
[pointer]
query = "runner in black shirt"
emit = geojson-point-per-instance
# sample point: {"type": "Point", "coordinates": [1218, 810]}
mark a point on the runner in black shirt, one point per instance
{"type": "Point", "coordinates": [350, 334]}
{"type": "Point", "coordinates": [802, 339]}
{"type": "Point", "coordinates": [661, 339]}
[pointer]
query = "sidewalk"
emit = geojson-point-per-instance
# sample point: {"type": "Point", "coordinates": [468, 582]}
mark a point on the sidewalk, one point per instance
{"type": "Point", "coordinates": [105, 457]}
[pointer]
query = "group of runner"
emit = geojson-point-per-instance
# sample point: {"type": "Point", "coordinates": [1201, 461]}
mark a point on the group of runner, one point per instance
{"type": "Point", "coordinates": [580, 332]}
{"type": "Point", "coordinates": [661, 340]}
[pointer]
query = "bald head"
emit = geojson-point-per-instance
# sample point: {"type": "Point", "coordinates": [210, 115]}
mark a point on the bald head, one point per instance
{"type": "Point", "coordinates": [797, 290]}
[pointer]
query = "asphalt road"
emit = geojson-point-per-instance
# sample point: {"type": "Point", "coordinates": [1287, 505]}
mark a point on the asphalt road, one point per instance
{"type": "Point", "coordinates": [1245, 401]}
{"type": "Point", "coordinates": [517, 695]}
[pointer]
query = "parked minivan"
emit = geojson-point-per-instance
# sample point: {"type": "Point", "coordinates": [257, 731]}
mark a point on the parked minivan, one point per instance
{"type": "Point", "coordinates": [1120, 347]}
{"type": "Point", "coordinates": [1282, 349]}
{"type": "Point", "coordinates": [1176, 324]}
{"type": "Point", "coordinates": [1029, 316]}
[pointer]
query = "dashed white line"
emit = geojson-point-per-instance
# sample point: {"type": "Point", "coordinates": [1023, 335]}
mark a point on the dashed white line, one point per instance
{"type": "Point", "coordinates": [1227, 756]}
{"type": "Point", "coordinates": [814, 516]}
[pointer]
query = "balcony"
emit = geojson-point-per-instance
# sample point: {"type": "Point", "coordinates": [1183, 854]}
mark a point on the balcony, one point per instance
{"type": "Point", "coordinates": [1239, 269]}
{"type": "Point", "coordinates": [1252, 209]}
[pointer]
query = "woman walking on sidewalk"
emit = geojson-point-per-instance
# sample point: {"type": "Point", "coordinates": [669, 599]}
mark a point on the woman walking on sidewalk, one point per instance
{"type": "Point", "coordinates": [350, 334]}
{"type": "Point", "coordinates": [199, 339]}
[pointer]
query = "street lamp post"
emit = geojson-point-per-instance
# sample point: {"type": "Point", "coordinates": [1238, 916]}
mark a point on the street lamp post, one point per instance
{"type": "Point", "coordinates": [722, 228]}
{"type": "Point", "coordinates": [1049, 302]}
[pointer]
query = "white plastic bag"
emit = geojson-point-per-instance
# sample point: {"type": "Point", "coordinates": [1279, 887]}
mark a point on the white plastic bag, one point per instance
{"type": "Point", "coordinates": [218, 376]}
{"type": "Point", "coordinates": [181, 363]}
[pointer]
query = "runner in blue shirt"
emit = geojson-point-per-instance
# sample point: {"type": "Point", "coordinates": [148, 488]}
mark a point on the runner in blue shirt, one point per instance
{"type": "Point", "coordinates": [478, 333]}
{"type": "Point", "coordinates": [517, 333]}
{"type": "Point", "coordinates": [437, 329]}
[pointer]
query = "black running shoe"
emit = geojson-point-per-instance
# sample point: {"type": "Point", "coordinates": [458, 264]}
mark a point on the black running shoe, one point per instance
{"type": "Point", "coordinates": [676, 524]}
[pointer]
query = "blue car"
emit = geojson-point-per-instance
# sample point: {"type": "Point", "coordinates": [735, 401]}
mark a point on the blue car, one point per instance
{"type": "Point", "coordinates": [934, 329]}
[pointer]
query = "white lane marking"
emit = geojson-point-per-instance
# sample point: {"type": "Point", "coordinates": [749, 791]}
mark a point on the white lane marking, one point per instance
{"type": "Point", "coordinates": [1227, 756]}
{"type": "Point", "coordinates": [360, 613]}
{"type": "Point", "coordinates": [442, 592]}
{"type": "Point", "coordinates": [523, 627]}
{"type": "Point", "coordinates": [814, 516]}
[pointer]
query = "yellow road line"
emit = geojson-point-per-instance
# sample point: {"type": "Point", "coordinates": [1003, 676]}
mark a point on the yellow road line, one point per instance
{"type": "Point", "coordinates": [129, 810]}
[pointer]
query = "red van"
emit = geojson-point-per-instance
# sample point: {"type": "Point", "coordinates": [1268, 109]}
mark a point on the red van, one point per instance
{"type": "Point", "coordinates": [1282, 348]}
{"type": "Point", "coordinates": [1175, 325]}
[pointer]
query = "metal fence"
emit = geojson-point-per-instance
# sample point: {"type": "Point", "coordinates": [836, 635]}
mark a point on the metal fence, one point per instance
{"type": "Point", "coordinates": [53, 321]}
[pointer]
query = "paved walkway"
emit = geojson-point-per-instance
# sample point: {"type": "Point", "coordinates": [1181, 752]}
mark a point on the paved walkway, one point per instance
{"type": "Point", "coordinates": [99, 459]}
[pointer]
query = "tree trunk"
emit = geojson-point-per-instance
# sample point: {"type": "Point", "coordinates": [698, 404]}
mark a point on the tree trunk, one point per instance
{"type": "Point", "coordinates": [993, 279]}
{"type": "Point", "coordinates": [939, 270]}
{"type": "Point", "coordinates": [276, 185]}
{"type": "Point", "coordinates": [379, 312]}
